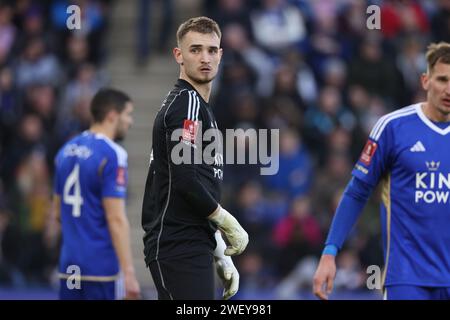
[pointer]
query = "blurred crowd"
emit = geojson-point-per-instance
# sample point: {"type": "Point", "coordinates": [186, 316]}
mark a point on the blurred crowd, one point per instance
{"type": "Point", "coordinates": [313, 69]}
{"type": "Point", "coordinates": [48, 75]}
{"type": "Point", "coordinates": [310, 68]}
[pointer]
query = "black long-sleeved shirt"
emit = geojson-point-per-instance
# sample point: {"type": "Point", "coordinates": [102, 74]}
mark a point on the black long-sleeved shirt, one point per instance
{"type": "Point", "coordinates": [179, 197]}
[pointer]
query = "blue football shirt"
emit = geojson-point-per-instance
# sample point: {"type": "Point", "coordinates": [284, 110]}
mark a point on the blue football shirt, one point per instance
{"type": "Point", "coordinates": [89, 168]}
{"type": "Point", "coordinates": [410, 155]}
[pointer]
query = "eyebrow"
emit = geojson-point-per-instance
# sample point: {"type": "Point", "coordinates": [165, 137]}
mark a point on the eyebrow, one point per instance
{"type": "Point", "coordinates": [200, 46]}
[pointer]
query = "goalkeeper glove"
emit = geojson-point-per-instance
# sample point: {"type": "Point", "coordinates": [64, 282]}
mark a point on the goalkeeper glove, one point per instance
{"type": "Point", "coordinates": [225, 269]}
{"type": "Point", "coordinates": [236, 235]}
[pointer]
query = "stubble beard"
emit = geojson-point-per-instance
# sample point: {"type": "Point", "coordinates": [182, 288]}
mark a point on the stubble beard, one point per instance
{"type": "Point", "coordinates": [120, 135]}
{"type": "Point", "coordinates": [199, 80]}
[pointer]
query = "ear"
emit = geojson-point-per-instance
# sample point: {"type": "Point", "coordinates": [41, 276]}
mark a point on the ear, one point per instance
{"type": "Point", "coordinates": [425, 80]}
{"type": "Point", "coordinates": [112, 116]}
{"type": "Point", "coordinates": [178, 55]}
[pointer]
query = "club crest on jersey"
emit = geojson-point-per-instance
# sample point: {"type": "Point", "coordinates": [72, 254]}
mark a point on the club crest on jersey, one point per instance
{"type": "Point", "coordinates": [368, 152]}
{"type": "Point", "coordinates": [121, 176]}
{"type": "Point", "coordinates": [190, 129]}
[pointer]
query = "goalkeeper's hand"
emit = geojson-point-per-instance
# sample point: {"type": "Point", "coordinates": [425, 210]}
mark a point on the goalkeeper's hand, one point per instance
{"type": "Point", "coordinates": [236, 235]}
{"type": "Point", "coordinates": [225, 269]}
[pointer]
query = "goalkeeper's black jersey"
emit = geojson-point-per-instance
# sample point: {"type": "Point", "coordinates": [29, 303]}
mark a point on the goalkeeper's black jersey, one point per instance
{"type": "Point", "coordinates": [179, 197]}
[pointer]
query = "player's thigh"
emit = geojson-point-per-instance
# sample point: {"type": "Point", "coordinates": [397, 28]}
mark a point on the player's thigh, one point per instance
{"type": "Point", "coordinates": [158, 280]}
{"type": "Point", "coordinates": [407, 292]}
{"type": "Point", "coordinates": [187, 278]}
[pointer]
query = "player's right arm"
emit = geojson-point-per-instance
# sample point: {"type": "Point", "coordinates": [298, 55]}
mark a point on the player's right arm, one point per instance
{"type": "Point", "coordinates": [324, 276]}
{"type": "Point", "coordinates": [182, 115]}
{"type": "Point", "coordinates": [373, 163]}
{"type": "Point", "coordinates": [350, 207]}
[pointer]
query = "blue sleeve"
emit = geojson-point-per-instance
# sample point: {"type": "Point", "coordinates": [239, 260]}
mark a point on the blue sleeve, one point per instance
{"type": "Point", "coordinates": [350, 207]}
{"type": "Point", "coordinates": [376, 156]}
{"type": "Point", "coordinates": [114, 178]}
{"type": "Point", "coordinates": [373, 163]}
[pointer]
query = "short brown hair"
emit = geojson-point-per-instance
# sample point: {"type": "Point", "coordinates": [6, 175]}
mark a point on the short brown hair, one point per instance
{"type": "Point", "coordinates": [105, 100]}
{"type": "Point", "coordinates": [437, 52]}
{"type": "Point", "coordinates": [199, 24]}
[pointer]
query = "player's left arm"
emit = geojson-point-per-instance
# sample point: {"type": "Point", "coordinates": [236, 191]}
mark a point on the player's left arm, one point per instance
{"type": "Point", "coordinates": [120, 235]}
{"type": "Point", "coordinates": [114, 185]}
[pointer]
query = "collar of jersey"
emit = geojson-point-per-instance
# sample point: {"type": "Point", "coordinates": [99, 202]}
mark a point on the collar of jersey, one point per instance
{"type": "Point", "coordinates": [184, 84]}
{"type": "Point", "coordinates": [97, 135]}
{"type": "Point", "coordinates": [430, 123]}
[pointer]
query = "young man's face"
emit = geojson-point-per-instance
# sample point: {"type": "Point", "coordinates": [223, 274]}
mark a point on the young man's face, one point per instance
{"type": "Point", "coordinates": [200, 56]}
{"type": "Point", "coordinates": [437, 85]}
{"type": "Point", "coordinates": [124, 122]}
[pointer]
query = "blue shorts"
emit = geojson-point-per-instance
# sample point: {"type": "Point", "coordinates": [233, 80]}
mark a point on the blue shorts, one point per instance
{"type": "Point", "coordinates": [92, 290]}
{"type": "Point", "coordinates": [407, 292]}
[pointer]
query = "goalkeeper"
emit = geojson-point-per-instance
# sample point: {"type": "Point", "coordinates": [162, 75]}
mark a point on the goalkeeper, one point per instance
{"type": "Point", "coordinates": [181, 215]}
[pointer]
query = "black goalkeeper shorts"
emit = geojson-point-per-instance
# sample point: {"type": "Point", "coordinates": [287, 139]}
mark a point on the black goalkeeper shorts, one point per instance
{"type": "Point", "coordinates": [186, 278]}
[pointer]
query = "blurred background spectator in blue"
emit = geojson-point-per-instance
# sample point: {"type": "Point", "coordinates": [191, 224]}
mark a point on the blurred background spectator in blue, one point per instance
{"type": "Point", "coordinates": [48, 74]}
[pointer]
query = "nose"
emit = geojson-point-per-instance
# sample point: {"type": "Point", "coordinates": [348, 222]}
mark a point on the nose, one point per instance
{"type": "Point", "coordinates": [205, 58]}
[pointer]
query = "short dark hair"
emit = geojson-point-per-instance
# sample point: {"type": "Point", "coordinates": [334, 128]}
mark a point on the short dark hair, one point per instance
{"type": "Point", "coordinates": [105, 100]}
{"type": "Point", "coordinates": [438, 52]}
{"type": "Point", "coordinates": [203, 25]}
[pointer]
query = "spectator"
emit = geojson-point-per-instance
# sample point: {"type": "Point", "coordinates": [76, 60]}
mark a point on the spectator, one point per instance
{"type": "Point", "coordinates": [295, 175]}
